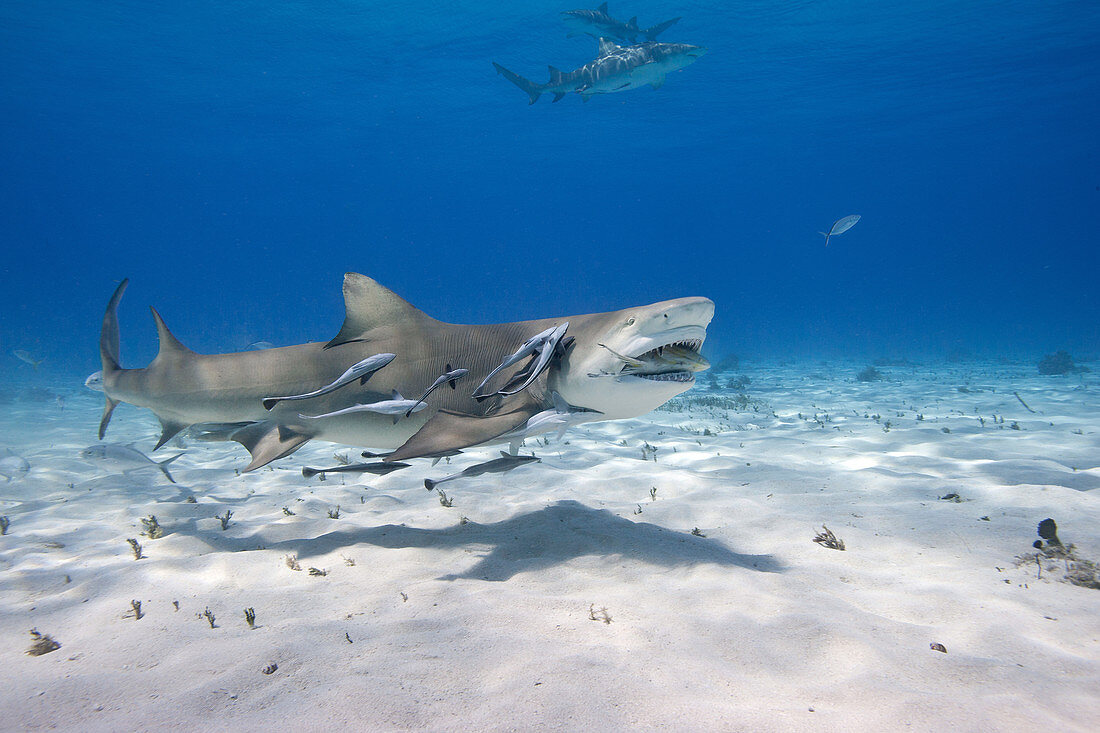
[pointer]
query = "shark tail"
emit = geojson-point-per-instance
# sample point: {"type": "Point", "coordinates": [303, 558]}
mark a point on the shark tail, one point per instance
{"type": "Point", "coordinates": [652, 33]}
{"type": "Point", "coordinates": [532, 89]}
{"type": "Point", "coordinates": [109, 352]}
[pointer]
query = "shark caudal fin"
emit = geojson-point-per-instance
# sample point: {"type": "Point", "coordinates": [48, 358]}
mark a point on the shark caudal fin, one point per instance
{"type": "Point", "coordinates": [108, 351]}
{"type": "Point", "coordinates": [532, 89]}
{"type": "Point", "coordinates": [652, 33]}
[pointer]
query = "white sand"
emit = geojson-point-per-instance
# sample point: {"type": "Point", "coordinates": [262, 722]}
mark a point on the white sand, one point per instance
{"type": "Point", "coordinates": [752, 627]}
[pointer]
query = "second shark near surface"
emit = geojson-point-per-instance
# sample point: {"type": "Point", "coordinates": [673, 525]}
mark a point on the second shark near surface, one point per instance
{"type": "Point", "coordinates": [615, 69]}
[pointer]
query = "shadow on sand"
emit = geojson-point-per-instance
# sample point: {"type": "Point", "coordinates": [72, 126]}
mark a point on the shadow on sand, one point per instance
{"type": "Point", "coordinates": [529, 542]}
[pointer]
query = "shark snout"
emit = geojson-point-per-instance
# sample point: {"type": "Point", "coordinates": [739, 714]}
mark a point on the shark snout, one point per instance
{"type": "Point", "coordinates": [695, 311]}
{"type": "Point", "coordinates": [696, 51]}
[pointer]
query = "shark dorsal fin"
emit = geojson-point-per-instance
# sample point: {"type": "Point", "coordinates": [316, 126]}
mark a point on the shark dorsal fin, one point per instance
{"type": "Point", "coordinates": [169, 345]}
{"type": "Point", "coordinates": [633, 22]}
{"type": "Point", "coordinates": [368, 305]}
{"type": "Point", "coordinates": [608, 47]}
{"type": "Point", "coordinates": [602, 9]}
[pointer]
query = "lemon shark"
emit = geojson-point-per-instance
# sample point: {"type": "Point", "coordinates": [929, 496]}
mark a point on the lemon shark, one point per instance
{"type": "Point", "coordinates": [183, 387]}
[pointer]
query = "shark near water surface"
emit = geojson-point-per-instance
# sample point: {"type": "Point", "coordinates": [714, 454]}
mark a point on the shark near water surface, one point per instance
{"type": "Point", "coordinates": [615, 69]}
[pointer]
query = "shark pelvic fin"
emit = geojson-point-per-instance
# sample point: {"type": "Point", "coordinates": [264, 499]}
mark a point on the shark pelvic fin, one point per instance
{"type": "Point", "coordinates": [448, 430]}
{"type": "Point", "coordinates": [108, 408]}
{"type": "Point", "coordinates": [169, 345]}
{"type": "Point", "coordinates": [369, 306]}
{"type": "Point", "coordinates": [268, 441]}
{"type": "Point", "coordinates": [169, 429]}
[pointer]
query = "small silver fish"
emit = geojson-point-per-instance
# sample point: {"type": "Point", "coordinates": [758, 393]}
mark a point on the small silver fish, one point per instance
{"type": "Point", "coordinates": [394, 406]}
{"type": "Point", "coordinates": [362, 371]}
{"type": "Point", "coordinates": [559, 417]}
{"type": "Point", "coordinates": [126, 457]}
{"type": "Point", "coordinates": [840, 226]}
{"type": "Point", "coordinates": [451, 375]}
{"type": "Point", "coordinates": [94, 381]}
{"type": "Point", "coordinates": [24, 355]}
{"type": "Point", "coordinates": [378, 469]}
{"type": "Point", "coordinates": [506, 462]}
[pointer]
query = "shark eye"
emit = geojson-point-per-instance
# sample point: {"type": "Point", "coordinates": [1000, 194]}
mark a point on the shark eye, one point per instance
{"type": "Point", "coordinates": [630, 321]}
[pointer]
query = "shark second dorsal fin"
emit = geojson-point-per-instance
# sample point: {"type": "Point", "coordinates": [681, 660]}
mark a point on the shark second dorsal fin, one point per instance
{"type": "Point", "coordinates": [602, 9]}
{"type": "Point", "coordinates": [608, 47]}
{"type": "Point", "coordinates": [448, 430]}
{"type": "Point", "coordinates": [169, 344]}
{"type": "Point", "coordinates": [555, 75]}
{"type": "Point", "coordinates": [268, 441]}
{"type": "Point", "coordinates": [368, 305]}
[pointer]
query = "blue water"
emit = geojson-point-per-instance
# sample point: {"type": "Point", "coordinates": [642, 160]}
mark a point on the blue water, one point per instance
{"type": "Point", "coordinates": [235, 158]}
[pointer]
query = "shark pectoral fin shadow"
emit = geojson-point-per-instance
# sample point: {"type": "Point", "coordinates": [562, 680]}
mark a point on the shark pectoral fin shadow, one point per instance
{"type": "Point", "coordinates": [448, 430]}
{"type": "Point", "coordinates": [268, 441]}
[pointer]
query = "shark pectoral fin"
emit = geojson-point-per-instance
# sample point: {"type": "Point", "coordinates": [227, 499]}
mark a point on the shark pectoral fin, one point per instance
{"type": "Point", "coordinates": [268, 441]}
{"type": "Point", "coordinates": [448, 430]}
{"type": "Point", "coordinates": [169, 429]}
{"type": "Point", "coordinates": [108, 408]}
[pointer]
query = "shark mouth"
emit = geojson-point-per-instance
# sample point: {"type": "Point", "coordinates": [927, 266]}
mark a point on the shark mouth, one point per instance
{"type": "Point", "coordinates": [675, 361]}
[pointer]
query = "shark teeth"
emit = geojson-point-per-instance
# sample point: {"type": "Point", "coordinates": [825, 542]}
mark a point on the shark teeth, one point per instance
{"type": "Point", "coordinates": [667, 377]}
{"type": "Point", "coordinates": [688, 344]}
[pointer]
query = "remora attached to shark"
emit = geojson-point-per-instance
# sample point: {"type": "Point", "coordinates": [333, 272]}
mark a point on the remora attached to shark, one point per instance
{"type": "Point", "coordinates": [615, 69]}
{"type": "Point", "coordinates": [183, 387]}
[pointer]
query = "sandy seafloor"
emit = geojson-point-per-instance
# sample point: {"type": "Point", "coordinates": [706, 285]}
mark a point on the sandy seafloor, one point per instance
{"type": "Point", "coordinates": [478, 616]}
